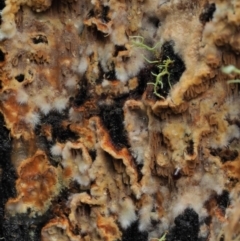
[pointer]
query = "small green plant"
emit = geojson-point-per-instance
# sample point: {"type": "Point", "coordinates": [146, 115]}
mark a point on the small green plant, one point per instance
{"type": "Point", "coordinates": [163, 66]}
{"type": "Point", "coordinates": [163, 238]}
{"type": "Point", "coordinates": [229, 70]}
{"type": "Point", "coordinates": [138, 41]}
{"type": "Point", "coordinates": [163, 70]}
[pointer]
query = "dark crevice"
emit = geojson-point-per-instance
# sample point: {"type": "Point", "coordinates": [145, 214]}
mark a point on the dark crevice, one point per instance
{"type": "Point", "coordinates": [111, 75]}
{"type": "Point", "coordinates": [82, 94]}
{"type": "Point", "coordinates": [177, 174]}
{"type": "Point", "coordinates": [101, 13]}
{"type": "Point", "coordinates": [154, 21]}
{"type": "Point", "coordinates": [20, 78]}
{"type": "Point", "coordinates": [113, 119]}
{"type": "Point", "coordinates": [99, 80]}
{"type": "Point", "coordinates": [143, 77]}
{"type": "Point", "coordinates": [2, 4]}
{"type": "Point", "coordinates": [139, 170]}
{"type": "Point", "coordinates": [223, 200]}
{"type": "Point", "coordinates": [176, 69]}
{"type": "Point", "coordinates": [2, 56]}
{"type": "Point", "coordinates": [132, 233]}
{"type": "Point", "coordinates": [7, 177]}
{"type": "Point", "coordinates": [119, 48]}
{"type": "Point", "coordinates": [60, 132]}
{"type": "Point", "coordinates": [98, 35]}
{"type": "Point", "coordinates": [90, 13]}
{"type": "Point", "coordinates": [186, 227]}
{"type": "Point", "coordinates": [93, 154]}
{"type": "Point", "coordinates": [40, 39]}
{"type": "Point", "coordinates": [207, 13]}
{"type": "Point", "coordinates": [190, 147]}
{"type": "Point", "coordinates": [59, 204]}
{"type": "Point", "coordinates": [233, 121]}
{"type": "Point", "coordinates": [225, 154]}
{"type": "Point", "coordinates": [104, 14]}
{"type": "Point", "coordinates": [23, 228]}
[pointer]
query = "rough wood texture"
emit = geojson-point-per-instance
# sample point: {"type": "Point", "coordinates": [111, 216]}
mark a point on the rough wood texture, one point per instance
{"type": "Point", "coordinates": [90, 148]}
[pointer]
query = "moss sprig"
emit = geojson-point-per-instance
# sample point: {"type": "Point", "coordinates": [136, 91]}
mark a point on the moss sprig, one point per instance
{"type": "Point", "coordinates": [229, 70]}
{"type": "Point", "coordinates": [163, 238]}
{"type": "Point", "coordinates": [163, 70]}
{"type": "Point", "coordinates": [138, 41]}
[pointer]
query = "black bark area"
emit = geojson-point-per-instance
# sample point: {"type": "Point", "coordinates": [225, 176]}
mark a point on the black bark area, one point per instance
{"type": "Point", "coordinates": [132, 233]}
{"type": "Point", "coordinates": [186, 227]}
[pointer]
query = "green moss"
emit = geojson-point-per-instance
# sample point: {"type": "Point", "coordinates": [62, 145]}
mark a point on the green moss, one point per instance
{"type": "Point", "coordinates": [163, 66]}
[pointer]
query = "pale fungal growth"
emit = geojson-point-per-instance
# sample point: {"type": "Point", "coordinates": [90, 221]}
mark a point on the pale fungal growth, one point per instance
{"type": "Point", "coordinates": [136, 124]}
{"type": "Point", "coordinates": [22, 97]}
{"type": "Point", "coordinates": [82, 66]}
{"type": "Point", "coordinates": [71, 83]}
{"type": "Point", "coordinates": [56, 150]}
{"type": "Point", "coordinates": [145, 213]}
{"type": "Point", "coordinates": [32, 119]}
{"type": "Point", "coordinates": [60, 104]}
{"type": "Point", "coordinates": [58, 229]}
{"type": "Point", "coordinates": [117, 120]}
{"type": "Point", "coordinates": [77, 160]}
{"type": "Point", "coordinates": [127, 213]}
{"type": "Point", "coordinates": [42, 103]}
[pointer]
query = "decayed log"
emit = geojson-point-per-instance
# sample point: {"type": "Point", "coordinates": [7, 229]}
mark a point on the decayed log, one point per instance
{"type": "Point", "coordinates": [117, 122]}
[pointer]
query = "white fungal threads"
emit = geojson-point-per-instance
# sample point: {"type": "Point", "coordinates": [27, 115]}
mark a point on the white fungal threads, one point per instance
{"type": "Point", "coordinates": [22, 97]}
{"type": "Point", "coordinates": [60, 104]}
{"type": "Point", "coordinates": [56, 150]}
{"type": "Point", "coordinates": [127, 213]}
{"type": "Point", "coordinates": [32, 118]}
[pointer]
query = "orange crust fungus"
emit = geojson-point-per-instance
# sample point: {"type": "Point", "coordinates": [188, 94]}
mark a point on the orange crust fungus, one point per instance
{"type": "Point", "coordinates": [36, 185]}
{"type": "Point", "coordinates": [101, 139]}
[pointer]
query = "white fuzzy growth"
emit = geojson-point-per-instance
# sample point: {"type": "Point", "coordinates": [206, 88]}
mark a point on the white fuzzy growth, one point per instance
{"type": "Point", "coordinates": [150, 186]}
{"type": "Point", "coordinates": [208, 29]}
{"type": "Point", "coordinates": [60, 104]}
{"type": "Point", "coordinates": [105, 83]}
{"type": "Point", "coordinates": [22, 97]}
{"type": "Point", "coordinates": [221, 11]}
{"type": "Point", "coordinates": [82, 166]}
{"type": "Point", "coordinates": [41, 102]}
{"type": "Point", "coordinates": [45, 108]}
{"type": "Point", "coordinates": [105, 55]}
{"type": "Point", "coordinates": [66, 154]}
{"type": "Point", "coordinates": [118, 36]}
{"type": "Point", "coordinates": [145, 217]}
{"type": "Point", "coordinates": [210, 182]}
{"type": "Point", "coordinates": [32, 118]}
{"type": "Point", "coordinates": [71, 83]}
{"type": "Point", "coordinates": [113, 207]}
{"type": "Point", "coordinates": [222, 139]}
{"type": "Point", "coordinates": [182, 203]}
{"type": "Point", "coordinates": [56, 150]}
{"type": "Point", "coordinates": [138, 153]}
{"type": "Point", "coordinates": [121, 73]}
{"type": "Point", "coordinates": [127, 214]}
{"type": "Point", "coordinates": [8, 30]}
{"type": "Point", "coordinates": [135, 63]}
{"type": "Point", "coordinates": [83, 65]}
{"type": "Point", "coordinates": [83, 180]}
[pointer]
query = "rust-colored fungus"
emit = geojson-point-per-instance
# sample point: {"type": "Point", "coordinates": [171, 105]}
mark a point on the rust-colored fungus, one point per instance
{"type": "Point", "coordinates": [99, 139]}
